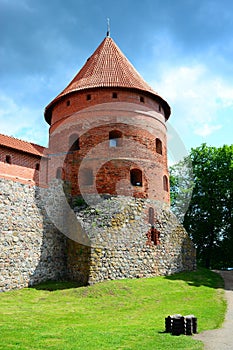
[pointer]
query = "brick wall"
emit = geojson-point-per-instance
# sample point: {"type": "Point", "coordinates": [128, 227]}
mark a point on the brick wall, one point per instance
{"type": "Point", "coordinates": [141, 124]}
{"type": "Point", "coordinates": [83, 99]}
{"type": "Point", "coordinates": [19, 166]}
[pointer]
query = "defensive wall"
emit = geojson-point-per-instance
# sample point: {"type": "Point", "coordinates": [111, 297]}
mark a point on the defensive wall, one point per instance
{"type": "Point", "coordinates": [117, 231]}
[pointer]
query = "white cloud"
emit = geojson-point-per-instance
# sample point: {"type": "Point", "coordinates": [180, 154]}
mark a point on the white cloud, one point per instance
{"type": "Point", "coordinates": [196, 95]}
{"type": "Point", "coordinates": [206, 129]}
{"type": "Point", "coordinates": [21, 122]}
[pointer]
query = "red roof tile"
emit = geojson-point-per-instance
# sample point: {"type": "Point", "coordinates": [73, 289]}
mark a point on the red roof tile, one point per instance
{"type": "Point", "coordinates": [107, 67]}
{"type": "Point", "coordinates": [20, 145]}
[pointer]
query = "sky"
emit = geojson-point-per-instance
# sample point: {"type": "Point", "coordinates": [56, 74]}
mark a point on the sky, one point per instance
{"type": "Point", "coordinates": [182, 48]}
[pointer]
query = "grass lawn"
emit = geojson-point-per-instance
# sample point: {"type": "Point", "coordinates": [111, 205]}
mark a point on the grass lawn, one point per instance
{"type": "Point", "coordinates": [124, 314]}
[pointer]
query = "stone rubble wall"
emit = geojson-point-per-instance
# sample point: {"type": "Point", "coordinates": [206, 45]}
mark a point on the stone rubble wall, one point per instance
{"type": "Point", "coordinates": [106, 239]}
{"type": "Point", "coordinates": [31, 249]}
{"type": "Point", "coordinates": [120, 248]}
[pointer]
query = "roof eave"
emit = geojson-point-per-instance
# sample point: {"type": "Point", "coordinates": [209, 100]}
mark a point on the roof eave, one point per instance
{"type": "Point", "coordinates": [23, 151]}
{"type": "Point", "coordinates": [49, 108]}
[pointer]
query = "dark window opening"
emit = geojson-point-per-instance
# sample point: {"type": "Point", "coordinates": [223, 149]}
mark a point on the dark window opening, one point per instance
{"type": "Point", "coordinates": [88, 97]}
{"type": "Point", "coordinates": [142, 99]}
{"type": "Point", "coordinates": [8, 159]}
{"type": "Point", "coordinates": [160, 109]}
{"type": "Point", "coordinates": [68, 103]}
{"type": "Point", "coordinates": [165, 183]}
{"type": "Point", "coordinates": [153, 235]}
{"type": "Point", "coordinates": [159, 146]}
{"type": "Point", "coordinates": [86, 177]}
{"type": "Point", "coordinates": [59, 173]}
{"type": "Point", "coordinates": [136, 177]}
{"type": "Point", "coordinates": [114, 95]}
{"type": "Point", "coordinates": [37, 167]}
{"type": "Point", "coordinates": [74, 142]}
{"type": "Point", "coordinates": [115, 138]}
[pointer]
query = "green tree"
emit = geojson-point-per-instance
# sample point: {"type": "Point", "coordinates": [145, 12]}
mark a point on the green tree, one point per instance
{"type": "Point", "coordinates": [181, 187]}
{"type": "Point", "coordinates": [208, 219]}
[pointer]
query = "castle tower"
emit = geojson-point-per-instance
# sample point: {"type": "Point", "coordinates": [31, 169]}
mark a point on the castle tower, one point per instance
{"type": "Point", "coordinates": [108, 146]}
{"type": "Point", "coordinates": [115, 125]}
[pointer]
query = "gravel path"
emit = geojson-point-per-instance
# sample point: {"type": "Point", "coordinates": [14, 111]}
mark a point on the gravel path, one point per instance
{"type": "Point", "coordinates": [221, 339]}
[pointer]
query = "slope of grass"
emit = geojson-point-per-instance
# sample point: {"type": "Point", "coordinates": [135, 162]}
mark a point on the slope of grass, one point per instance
{"type": "Point", "coordinates": [124, 314]}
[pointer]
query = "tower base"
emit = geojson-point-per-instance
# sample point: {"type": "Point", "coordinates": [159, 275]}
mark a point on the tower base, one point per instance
{"type": "Point", "coordinates": [130, 238]}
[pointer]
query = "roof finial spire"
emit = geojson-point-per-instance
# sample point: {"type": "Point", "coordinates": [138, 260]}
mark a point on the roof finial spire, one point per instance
{"type": "Point", "coordinates": [108, 28]}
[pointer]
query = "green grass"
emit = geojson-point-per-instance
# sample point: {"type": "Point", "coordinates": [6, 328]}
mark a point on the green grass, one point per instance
{"type": "Point", "coordinates": [124, 314]}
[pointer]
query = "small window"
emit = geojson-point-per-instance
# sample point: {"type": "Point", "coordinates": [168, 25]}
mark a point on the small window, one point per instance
{"type": "Point", "coordinates": [159, 146]}
{"type": "Point", "coordinates": [160, 108]}
{"type": "Point", "coordinates": [59, 173]}
{"type": "Point", "coordinates": [68, 103]}
{"type": "Point", "coordinates": [8, 159]}
{"type": "Point", "coordinates": [86, 177]}
{"type": "Point", "coordinates": [142, 99]}
{"type": "Point", "coordinates": [88, 97]}
{"type": "Point", "coordinates": [115, 138]}
{"type": "Point", "coordinates": [114, 95]}
{"type": "Point", "coordinates": [37, 167]}
{"type": "Point", "coordinates": [74, 142]}
{"type": "Point", "coordinates": [165, 183]}
{"type": "Point", "coordinates": [136, 177]}
{"type": "Point", "coordinates": [113, 143]}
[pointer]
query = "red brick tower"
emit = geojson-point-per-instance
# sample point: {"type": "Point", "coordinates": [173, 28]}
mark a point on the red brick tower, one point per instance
{"type": "Point", "coordinates": [108, 144]}
{"type": "Point", "coordinates": [108, 132]}
{"type": "Point", "coordinates": [100, 207]}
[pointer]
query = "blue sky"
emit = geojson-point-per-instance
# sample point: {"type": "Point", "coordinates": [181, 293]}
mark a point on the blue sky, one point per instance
{"type": "Point", "coordinates": [182, 48]}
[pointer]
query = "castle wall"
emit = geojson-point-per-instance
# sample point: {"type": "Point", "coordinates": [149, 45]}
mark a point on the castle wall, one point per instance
{"type": "Point", "coordinates": [123, 245]}
{"type": "Point", "coordinates": [31, 248]}
{"type": "Point", "coordinates": [22, 166]}
{"type": "Point", "coordinates": [115, 240]}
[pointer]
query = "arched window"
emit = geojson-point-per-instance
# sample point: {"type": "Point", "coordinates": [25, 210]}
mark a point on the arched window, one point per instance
{"type": "Point", "coordinates": [37, 167]}
{"type": "Point", "coordinates": [159, 146]}
{"type": "Point", "coordinates": [59, 173]}
{"type": "Point", "coordinates": [86, 177]}
{"type": "Point", "coordinates": [165, 183]}
{"type": "Point", "coordinates": [8, 159]}
{"type": "Point", "coordinates": [74, 142]}
{"type": "Point", "coordinates": [136, 177]}
{"type": "Point", "coordinates": [115, 138]}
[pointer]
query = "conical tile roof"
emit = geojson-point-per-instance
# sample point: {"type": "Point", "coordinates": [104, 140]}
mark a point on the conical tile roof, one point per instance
{"type": "Point", "coordinates": [107, 67]}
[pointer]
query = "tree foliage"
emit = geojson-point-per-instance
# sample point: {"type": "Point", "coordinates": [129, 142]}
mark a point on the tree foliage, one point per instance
{"type": "Point", "coordinates": [181, 187]}
{"type": "Point", "coordinates": [208, 218]}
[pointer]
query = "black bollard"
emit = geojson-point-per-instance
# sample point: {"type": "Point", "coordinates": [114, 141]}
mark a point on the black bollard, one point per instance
{"type": "Point", "coordinates": [178, 325]}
